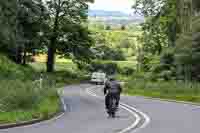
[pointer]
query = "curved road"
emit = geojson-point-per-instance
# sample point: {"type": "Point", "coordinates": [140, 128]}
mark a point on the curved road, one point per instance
{"type": "Point", "coordinates": [86, 114]}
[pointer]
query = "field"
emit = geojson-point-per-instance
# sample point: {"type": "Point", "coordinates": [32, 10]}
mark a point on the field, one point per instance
{"type": "Point", "coordinates": [122, 41]}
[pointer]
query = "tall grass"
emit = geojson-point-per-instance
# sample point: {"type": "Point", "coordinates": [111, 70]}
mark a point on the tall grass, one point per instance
{"type": "Point", "coordinates": [26, 100]}
{"type": "Point", "coordinates": [177, 90]}
{"type": "Point", "coordinates": [16, 94]}
{"type": "Point", "coordinates": [21, 96]}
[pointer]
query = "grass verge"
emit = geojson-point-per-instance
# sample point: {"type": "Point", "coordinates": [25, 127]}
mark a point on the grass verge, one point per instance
{"type": "Point", "coordinates": [26, 100]}
{"type": "Point", "coordinates": [42, 110]}
{"type": "Point", "coordinates": [22, 98]}
{"type": "Point", "coordinates": [180, 91]}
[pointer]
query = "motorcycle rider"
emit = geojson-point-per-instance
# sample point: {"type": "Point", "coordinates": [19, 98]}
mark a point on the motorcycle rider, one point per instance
{"type": "Point", "coordinates": [112, 88]}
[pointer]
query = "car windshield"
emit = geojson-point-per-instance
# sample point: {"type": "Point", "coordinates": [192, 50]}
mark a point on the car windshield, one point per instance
{"type": "Point", "coordinates": [98, 75]}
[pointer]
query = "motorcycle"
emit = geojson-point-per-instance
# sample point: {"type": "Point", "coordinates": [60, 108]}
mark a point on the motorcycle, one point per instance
{"type": "Point", "coordinates": [112, 108]}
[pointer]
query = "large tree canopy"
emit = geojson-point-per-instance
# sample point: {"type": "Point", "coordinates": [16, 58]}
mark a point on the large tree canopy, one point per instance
{"type": "Point", "coordinates": [31, 25]}
{"type": "Point", "coordinates": [65, 13]}
{"type": "Point", "coordinates": [172, 24]}
{"type": "Point", "coordinates": [159, 29]}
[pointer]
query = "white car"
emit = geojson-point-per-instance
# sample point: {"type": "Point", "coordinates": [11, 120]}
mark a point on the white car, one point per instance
{"type": "Point", "coordinates": [98, 78]}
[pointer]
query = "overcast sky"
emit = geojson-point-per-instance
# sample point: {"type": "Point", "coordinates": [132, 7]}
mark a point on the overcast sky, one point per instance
{"type": "Point", "coordinates": [113, 5]}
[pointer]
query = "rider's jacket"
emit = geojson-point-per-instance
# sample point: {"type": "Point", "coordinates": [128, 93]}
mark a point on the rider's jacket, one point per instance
{"type": "Point", "coordinates": [112, 87]}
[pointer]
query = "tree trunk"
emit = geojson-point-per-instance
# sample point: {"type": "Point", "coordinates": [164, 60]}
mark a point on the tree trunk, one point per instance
{"type": "Point", "coordinates": [51, 56]}
{"type": "Point", "coordinates": [24, 57]}
{"type": "Point", "coordinates": [172, 34]}
{"type": "Point", "coordinates": [184, 15]}
{"type": "Point", "coordinates": [19, 55]}
{"type": "Point", "coordinates": [52, 46]}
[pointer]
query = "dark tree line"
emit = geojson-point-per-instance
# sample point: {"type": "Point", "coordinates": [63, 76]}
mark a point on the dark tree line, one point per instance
{"type": "Point", "coordinates": [29, 26]}
{"type": "Point", "coordinates": [171, 31]}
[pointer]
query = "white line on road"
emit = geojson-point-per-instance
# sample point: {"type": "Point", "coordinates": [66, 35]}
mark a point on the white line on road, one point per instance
{"type": "Point", "coordinates": [132, 126]}
{"type": "Point", "coordinates": [128, 108]}
{"type": "Point", "coordinates": [61, 93]}
{"type": "Point", "coordinates": [146, 117]}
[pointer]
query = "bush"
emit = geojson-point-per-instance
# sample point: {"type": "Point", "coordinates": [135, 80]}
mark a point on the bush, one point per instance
{"type": "Point", "coordinates": [166, 69]}
{"type": "Point", "coordinates": [16, 94]}
{"type": "Point", "coordinates": [109, 68]}
{"type": "Point", "coordinates": [166, 75]}
{"type": "Point", "coordinates": [167, 57]}
{"type": "Point", "coordinates": [163, 72]}
{"type": "Point", "coordinates": [144, 62]}
{"type": "Point", "coordinates": [104, 52]}
{"type": "Point", "coordinates": [127, 71]}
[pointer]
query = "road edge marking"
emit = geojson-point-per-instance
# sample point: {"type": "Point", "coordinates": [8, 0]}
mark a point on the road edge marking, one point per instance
{"type": "Point", "coordinates": [61, 93]}
{"type": "Point", "coordinates": [145, 116]}
{"type": "Point", "coordinates": [133, 125]}
{"type": "Point", "coordinates": [131, 110]}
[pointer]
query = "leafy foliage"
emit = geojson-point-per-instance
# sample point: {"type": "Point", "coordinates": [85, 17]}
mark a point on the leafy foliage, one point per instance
{"type": "Point", "coordinates": [31, 26]}
{"type": "Point", "coordinates": [65, 13]}
{"type": "Point", "coordinates": [114, 45]}
{"type": "Point", "coordinates": [160, 26]}
{"type": "Point", "coordinates": [108, 67]}
{"type": "Point", "coordinates": [171, 25]}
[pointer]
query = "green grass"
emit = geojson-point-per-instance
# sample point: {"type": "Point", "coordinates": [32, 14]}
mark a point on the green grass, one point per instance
{"type": "Point", "coordinates": [25, 100]}
{"type": "Point", "coordinates": [21, 98]}
{"type": "Point", "coordinates": [66, 72]}
{"type": "Point", "coordinates": [42, 110]}
{"type": "Point", "coordinates": [122, 64]}
{"type": "Point", "coordinates": [9, 70]}
{"type": "Point", "coordinates": [167, 90]}
{"type": "Point", "coordinates": [59, 66]}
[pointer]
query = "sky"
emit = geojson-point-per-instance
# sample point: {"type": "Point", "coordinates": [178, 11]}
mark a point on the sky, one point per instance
{"type": "Point", "coordinates": [113, 5]}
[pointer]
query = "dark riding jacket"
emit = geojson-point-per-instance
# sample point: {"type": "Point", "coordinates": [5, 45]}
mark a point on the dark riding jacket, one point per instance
{"type": "Point", "coordinates": [112, 87]}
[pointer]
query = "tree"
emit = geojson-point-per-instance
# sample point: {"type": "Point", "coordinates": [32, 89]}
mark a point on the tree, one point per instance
{"type": "Point", "coordinates": [63, 12]}
{"type": "Point", "coordinates": [160, 26]}
{"type": "Point", "coordinates": [196, 6]}
{"type": "Point", "coordinates": [75, 41]}
{"type": "Point", "coordinates": [7, 24]}
{"type": "Point", "coordinates": [29, 25]}
{"type": "Point", "coordinates": [123, 27]}
{"type": "Point", "coordinates": [187, 45]}
{"type": "Point", "coordinates": [125, 43]}
{"type": "Point", "coordinates": [19, 24]}
{"type": "Point", "coordinates": [108, 27]}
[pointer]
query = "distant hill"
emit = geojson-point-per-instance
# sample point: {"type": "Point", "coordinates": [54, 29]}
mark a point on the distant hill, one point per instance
{"type": "Point", "coordinates": [114, 17]}
{"type": "Point", "coordinates": [102, 13]}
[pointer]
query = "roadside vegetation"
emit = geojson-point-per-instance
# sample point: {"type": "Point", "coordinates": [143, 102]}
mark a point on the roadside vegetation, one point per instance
{"type": "Point", "coordinates": [28, 29]}
{"type": "Point", "coordinates": [167, 59]}
{"type": "Point", "coordinates": [176, 90]}
{"type": "Point", "coordinates": [114, 44]}
{"type": "Point", "coordinates": [22, 98]}
{"type": "Point", "coordinates": [158, 58]}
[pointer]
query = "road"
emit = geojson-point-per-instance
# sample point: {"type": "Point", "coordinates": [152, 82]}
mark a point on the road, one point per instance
{"type": "Point", "coordinates": [85, 114]}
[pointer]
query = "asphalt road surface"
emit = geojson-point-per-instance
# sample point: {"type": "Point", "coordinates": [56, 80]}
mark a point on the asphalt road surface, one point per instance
{"type": "Point", "coordinates": [86, 114]}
